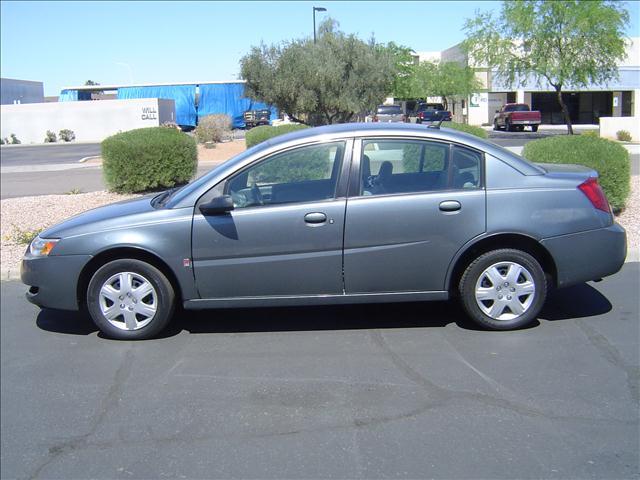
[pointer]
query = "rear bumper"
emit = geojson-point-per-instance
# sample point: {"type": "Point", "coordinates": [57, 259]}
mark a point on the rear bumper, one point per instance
{"type": "Point", "coordinates": [53, 280]}
{"type": "Point", "coordinates": [525, 122]}
{"type": "Point", "coordinates": [585, 256]}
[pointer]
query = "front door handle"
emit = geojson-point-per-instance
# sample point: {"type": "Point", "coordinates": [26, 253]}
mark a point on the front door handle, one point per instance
{"type": "Point", "coordinates": [315, 217]}
{"type": "Point", "coordinates": [450, 206]}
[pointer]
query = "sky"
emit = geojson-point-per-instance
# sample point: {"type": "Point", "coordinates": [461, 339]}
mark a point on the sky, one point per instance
{"type": "Point", "coordinates": [66, 43]}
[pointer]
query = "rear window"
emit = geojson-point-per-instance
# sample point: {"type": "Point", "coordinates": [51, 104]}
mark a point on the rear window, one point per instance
{"type": "Point", "coordinates": [389, 110]}
{"type": "Point", "coordinates": [516, 108]}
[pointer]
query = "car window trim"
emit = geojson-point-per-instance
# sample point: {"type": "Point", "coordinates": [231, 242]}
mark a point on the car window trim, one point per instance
{"type": "Point", "coordinates": [356, 161]}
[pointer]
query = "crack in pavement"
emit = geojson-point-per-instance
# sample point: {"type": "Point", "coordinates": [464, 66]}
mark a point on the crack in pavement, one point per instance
{"type": "Point", "coordinates": [108, 402]}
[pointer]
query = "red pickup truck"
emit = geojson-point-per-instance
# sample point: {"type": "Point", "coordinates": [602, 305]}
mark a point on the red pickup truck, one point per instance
{"type": "Point", "coordinates": [516, 116]}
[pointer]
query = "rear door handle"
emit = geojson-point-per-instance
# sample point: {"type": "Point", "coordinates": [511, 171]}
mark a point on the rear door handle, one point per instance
{"type": "Point", "coordinates": [450, 206]}
{"type": "Point", "coordinates": [315, 217]}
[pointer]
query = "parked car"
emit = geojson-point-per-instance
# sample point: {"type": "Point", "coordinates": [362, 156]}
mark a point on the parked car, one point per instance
{"type": "Point", "coordinates": [516, 116]}
{"type": "Point", "coordinates": [347, 213]}
{"type": "Point", "coordinates": [254, 118]}
{"type": "Point", "coordinates": [431, 112]}
{"type": "Point", "coordinates": [389, 114]}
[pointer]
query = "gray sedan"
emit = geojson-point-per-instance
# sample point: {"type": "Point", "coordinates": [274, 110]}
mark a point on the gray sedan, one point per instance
{"type": "Point", "coordinates": [341, 214]}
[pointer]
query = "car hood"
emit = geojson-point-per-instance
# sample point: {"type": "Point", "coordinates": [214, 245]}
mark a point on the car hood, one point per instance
{"type": "Point", "coordinates": [125, 213]}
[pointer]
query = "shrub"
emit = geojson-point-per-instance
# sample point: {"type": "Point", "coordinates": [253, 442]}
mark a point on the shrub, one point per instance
{"type": "Point", "coordinates": [213, 128]}
{"type": "Point", "coordinates": [148, 158]}
{"type": "Point", "coordinates": [24, 236]}
{"type": "Point", "coordinates": [463, 127]}
{"type": "Point", "coordinates": [623, 136]}
{"type": "Point", "coordinates": [13, 140]}
{"type": "Point", "coordinates": [265, 132]}
{"type": "Point", "coordinates": [591, 133]}
{"type": "Point", "coordinates": [2, 142]}
{"type": "Point", "coordinates": [66, 135]}
{"type": "Point", "coordinates": [609, 159]}
{"type": "Point", "coordinates": [50, 137]}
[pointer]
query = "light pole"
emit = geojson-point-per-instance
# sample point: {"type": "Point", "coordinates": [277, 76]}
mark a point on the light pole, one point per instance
{"type": "Point", "coordinates": [316, 9]}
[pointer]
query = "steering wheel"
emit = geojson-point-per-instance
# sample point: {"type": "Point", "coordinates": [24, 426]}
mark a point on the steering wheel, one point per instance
{"type": "Point", "coordinates": [257, 196]}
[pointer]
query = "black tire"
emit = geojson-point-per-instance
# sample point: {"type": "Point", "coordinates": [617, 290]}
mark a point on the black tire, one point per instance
{"type": "Point", "coordinates": [495, 125]}
{"type": "Point", "coordinates": [507, 125]}
{"type": "Point", "coordinates": [472, 278]}
{"type": "Point", "coordinates": [161, 297]}
{"type": "Point", "coordinates": [534, 128]}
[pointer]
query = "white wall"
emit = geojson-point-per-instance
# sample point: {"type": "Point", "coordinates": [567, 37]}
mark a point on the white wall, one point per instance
{"type": "Point", "coordinates": [91, 121]}
{"type": "Point", "coordinates": [610, 125]}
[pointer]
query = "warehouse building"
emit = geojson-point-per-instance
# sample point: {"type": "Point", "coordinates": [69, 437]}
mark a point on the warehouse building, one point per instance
{"type": "Point", "coordinates": [15, 92]}
{"type": "Point", "coordinates": [193, 100]}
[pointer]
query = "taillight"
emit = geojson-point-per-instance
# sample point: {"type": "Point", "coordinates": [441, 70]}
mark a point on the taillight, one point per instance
{"type": "Point", "coordinates": [593, 191]}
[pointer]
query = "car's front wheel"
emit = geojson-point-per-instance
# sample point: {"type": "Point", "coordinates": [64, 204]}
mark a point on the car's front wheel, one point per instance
{"type": "Point", "coordinates": [130, 299]}
{"type": "Point", "coordinates": [503, 289]}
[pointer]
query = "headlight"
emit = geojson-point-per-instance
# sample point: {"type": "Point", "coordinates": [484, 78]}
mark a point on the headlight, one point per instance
{"type": "Point", "coordinates": [41, 247]}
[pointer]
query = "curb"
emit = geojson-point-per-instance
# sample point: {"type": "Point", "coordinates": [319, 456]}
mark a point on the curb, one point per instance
{"type": "Point", "coordinates": [86, 159]}
{"type": "Point", "coordinates": [9, 274]}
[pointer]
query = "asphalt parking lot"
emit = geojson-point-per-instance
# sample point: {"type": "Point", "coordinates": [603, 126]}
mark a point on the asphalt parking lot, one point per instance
{"type": "Point", "coordinates": [378, 391]}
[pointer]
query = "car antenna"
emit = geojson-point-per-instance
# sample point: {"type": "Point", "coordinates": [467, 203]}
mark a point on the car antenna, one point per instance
{"type": "Point", "coordinates": [437, 127]}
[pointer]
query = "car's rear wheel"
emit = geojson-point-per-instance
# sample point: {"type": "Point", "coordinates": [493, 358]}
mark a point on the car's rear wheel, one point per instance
{"type": "Point", "coordinates": [507, 125]}
{"type": "Point", "coordinates": [503, 289]}
{"type": "Point", "coordinates": [534, 128]}
{"type": "Point", "coordinates": [130, 299]}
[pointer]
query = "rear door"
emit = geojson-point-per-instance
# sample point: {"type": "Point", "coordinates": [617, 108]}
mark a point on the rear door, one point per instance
{"type": "Point", "coordinates": [412, 205]}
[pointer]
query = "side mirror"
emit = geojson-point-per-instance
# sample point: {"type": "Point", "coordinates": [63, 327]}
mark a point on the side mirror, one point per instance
{"type": "Point", "coordinates": [497, 111]}
{"type": "Point", "coordinates": [217, 206]}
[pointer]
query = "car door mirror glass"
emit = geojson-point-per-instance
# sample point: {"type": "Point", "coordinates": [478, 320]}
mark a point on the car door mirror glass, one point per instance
{"type": "Point", "coordinates": [217, 205]}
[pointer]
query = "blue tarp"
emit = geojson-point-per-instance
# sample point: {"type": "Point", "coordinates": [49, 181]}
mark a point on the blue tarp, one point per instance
{"type": "Point", "coordinates": [228, 98]}
{"type": "Point", "coordinates": [74, 95]}
{"type": "Point", "coordinates": [183, 95]}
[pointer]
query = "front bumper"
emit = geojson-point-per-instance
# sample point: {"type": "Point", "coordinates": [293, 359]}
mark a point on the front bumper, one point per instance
{"type": "Point", "coordinates": [590, 255]}
{"type": "Point", "coordinates": [53, 280]}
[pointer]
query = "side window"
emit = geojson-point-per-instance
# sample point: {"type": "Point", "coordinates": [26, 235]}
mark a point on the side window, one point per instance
{"type": "Point", "coordinates": [403, 166]}
{"type": "Point", "coordinates": [304, 174]}
{"type": "Point", "coordinates": [466, 168]}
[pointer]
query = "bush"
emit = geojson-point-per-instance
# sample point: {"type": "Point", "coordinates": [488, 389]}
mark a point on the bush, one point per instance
{"type": "Point", "coordinates": [148, 158]}
{"type": "Point", "coordinates": [265, 132]}
{"type": "Point", "coordinates": [623, 136]}
{"type": "Point", "coordinates": [609, 159]}
{"type": "Point", "coordinates": [13, 140]}
{"type": "Point", "coordinates": [50, 137]}
{"type": "Point", "coordinates": [213, 128]}
{"type": "Point", "coordinates": [2, 142]}
{"type": "Point", "coordinates": [66, 135]}
{"type": "Point", "coordinates": [591, 133]}
{"type": "Point", "coordinates": [463, 127]}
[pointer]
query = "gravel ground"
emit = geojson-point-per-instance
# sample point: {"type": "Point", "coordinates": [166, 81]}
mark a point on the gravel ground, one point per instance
{"type": "Point", "coordinates": [28, 214]}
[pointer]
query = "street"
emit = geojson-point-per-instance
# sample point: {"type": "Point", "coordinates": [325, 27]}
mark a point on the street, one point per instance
{"type": "Point", "coordinates": [378, 391]}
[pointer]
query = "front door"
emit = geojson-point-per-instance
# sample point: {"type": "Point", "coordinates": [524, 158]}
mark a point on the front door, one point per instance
{"type": "Point", "coordinates": [417, 203]}
{"type": "Point", "coordinates": [284, 236]}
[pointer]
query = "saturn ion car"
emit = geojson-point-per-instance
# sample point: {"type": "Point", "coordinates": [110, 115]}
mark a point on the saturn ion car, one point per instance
{"type": "Point", "coordinates": [352, 213]}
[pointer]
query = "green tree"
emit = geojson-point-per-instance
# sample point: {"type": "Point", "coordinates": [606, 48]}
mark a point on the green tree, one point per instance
{"type": "Point", "coordinates": [565, 43]}
{"type": "Point", "coordinates": [324, 83]}
{"type": "Point", "coordinates": [405, 66]}
{"type": "Point", "coordinates": [443, 79]}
